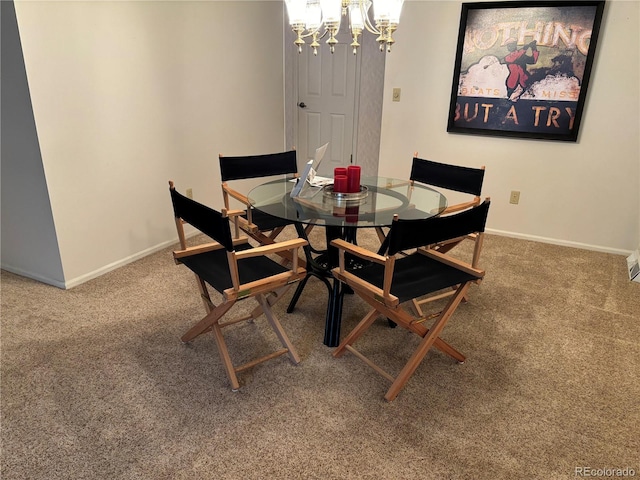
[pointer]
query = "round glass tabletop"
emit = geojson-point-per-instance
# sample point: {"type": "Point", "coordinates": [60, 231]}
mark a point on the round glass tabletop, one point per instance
{"type": "Point", "coordinates": [379, 199]}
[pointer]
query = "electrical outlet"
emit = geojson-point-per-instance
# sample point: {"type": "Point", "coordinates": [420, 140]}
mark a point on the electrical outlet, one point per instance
{"type": "Point", "coordinates": [396, 94]}
{"type": "Point", "coordinates": [515, 197]}
{"type": "Point", "coordinates": [189, 193]}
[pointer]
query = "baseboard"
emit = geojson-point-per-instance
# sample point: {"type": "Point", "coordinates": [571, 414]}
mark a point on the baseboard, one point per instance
{"type": "Point", "coordinates": [132, 258]}
{"type": "Point", "coordinates": [555, 241]}
{"type": "Point", "coordinates": [120, 263]}
{"type": "Point", "coordinates": [67, 284]}
{"type": "Point", "coordinates": [33, 276]}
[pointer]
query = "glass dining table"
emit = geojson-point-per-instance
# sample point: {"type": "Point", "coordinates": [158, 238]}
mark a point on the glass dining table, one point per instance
{"type": "Point", "coordinates": [341, 216]}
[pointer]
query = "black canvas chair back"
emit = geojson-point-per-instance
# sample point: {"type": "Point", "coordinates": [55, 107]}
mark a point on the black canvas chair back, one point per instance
{"type": "Point", "coordinates": [258, 225]}
{"type": "Point", "coordinates": [254, 166]}
{"type": "Point", "coordinates": [235, 270]}
{"type": "Point", "coordinates": [205, 219]}
{"type": "Point", "coordinates": [409, 234]}
{"type": "Point", "coordinates": [452, 177]}
{"type": "Point", "coordinates": [388, 283]}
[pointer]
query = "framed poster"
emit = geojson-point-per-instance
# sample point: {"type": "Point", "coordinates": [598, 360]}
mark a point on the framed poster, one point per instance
{"type": "Point", "coordinates": [522, 68]}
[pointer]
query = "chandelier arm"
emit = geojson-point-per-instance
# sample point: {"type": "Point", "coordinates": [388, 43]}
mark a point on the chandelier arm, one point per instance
{"type": "Point", "coordinates": [324, 34]}
{"type": "Point", "coordinates": [307, 35]}
{"type": "Point", "coordinates": [366, 20]}
{"type": "Point", "coordinates": [384, 28]}
{"type": "Point", "coordinates": [370, 28]}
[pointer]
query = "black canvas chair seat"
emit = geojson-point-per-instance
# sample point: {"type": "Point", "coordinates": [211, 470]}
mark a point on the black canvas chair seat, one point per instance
{"type": "Point", "coordinates": [213, 268]}
{"type": "Point", "coordinates": [266, 222]}
{"type": "Point", "coordinates": [388, 281]}
{"type": "Point", "coordinates": [236, 270]}
{"type": "Point", "coordinates": [415, 276]}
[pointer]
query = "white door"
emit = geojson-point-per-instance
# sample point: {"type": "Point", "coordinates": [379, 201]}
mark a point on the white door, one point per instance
{"type": "Point", "coordinates": [326, 104]}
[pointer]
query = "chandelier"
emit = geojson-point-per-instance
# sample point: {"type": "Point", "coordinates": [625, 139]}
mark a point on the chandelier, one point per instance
{"type": "Point", "coordinates": [307, 17]}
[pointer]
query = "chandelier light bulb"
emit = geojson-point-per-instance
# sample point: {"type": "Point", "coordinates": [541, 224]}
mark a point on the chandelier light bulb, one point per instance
{"type": "Point", "coordinates": [308, 17]}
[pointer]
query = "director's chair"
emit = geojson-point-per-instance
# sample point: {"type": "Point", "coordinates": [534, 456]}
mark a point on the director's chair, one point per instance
{"type": "Point", "coordinates": [238, 272]}
{"type": "Point", "coordinates": [390, 281]}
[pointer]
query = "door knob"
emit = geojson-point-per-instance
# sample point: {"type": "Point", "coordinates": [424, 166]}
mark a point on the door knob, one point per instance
{"type": "Point", "coordinates": [302, 105]}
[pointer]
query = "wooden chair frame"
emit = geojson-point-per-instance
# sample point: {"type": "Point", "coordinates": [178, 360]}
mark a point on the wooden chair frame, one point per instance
{"type": "Point", "coordinates": [445, 247]}
{"type": "Point", "coordinates": [384, 303]}
{"type": "Point", "coordinates": [267, 291]}
{"type": "Point", "coordinates": [247, 225]}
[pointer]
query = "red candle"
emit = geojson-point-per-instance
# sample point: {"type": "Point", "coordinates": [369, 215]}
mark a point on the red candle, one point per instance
{"type": "Point", "coordinates": [353, 179]}
{"type": "Point", "coordinates": [339, 171]}
{"type": "Point", "coordinates": [340, 184]}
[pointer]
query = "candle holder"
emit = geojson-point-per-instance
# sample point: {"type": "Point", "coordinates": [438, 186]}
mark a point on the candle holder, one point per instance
{"type": "Point", "coordinates": [345, 198]}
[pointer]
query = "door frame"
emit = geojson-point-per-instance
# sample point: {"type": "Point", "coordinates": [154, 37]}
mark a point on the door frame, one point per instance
{"type": "Point", "coordinates": [372, 123]}
{"type": "Point", "coordinates": [324, 50]}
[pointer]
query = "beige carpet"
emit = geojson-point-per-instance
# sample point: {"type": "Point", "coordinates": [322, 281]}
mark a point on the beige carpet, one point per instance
{"type": "Point", "coordinates": [97, 385]}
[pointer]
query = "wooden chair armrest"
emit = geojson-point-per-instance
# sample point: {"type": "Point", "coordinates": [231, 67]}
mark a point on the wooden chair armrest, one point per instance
{"type": "Point", "coordinates": [294, 271]}
{"type": "Point", "coordinates": [388, 262]}
{"type": "Point", "coordinates": [235, 194]}
{"type": "Point", "coordinates": [246, 225]}
{"type": "Point", "coordinates": [197, 249]}
{"type": "Point", "coordinates": [237, 216]}
{"type": "Point", "coordinates": [272, 248]}
{"type": "Point", "coordinates": [461, 206]}
{"type": "Point", "coordinates": [264, 285]}
{"type": "Point", "coordinates": [394, 183]}
{"type": "Point", "coordinates": [453, 262]}
{"type": "Point", "coordinates": [364, 287]}
{"type": "Point", "coordinates": [204, 248]}
{"type": "Point", "coordinates": [359, 251]}
{"type": "Point", "coordinates": [233, 213]}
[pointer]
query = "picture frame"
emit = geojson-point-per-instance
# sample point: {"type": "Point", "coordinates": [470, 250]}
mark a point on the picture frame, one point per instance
{"type": "Point", "coordinates": [522, 68]}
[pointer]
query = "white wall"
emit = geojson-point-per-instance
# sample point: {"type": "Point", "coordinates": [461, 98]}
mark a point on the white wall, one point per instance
{"type": "Point", "coordinates": [584, 194]}
{"type": "Point", "coordinates": [127, 95]}
{"type": "Point", "coordinates": [29, 244]}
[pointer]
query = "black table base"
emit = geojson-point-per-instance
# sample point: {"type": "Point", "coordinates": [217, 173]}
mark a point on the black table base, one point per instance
{"type": "Point", "coordinates": [320, 267]}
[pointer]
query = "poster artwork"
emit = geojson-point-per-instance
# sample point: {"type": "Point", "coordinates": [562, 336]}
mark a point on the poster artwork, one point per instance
{"type": "Point", "coordinates": [523, 71]}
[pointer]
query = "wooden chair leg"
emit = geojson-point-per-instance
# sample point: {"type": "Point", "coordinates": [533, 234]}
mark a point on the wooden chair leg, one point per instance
{"type": "Point", "coordinates": [225, 357]}
{"type": "Point", "coordinates": [277, 328]}
{"type": "Point", "coordinates": [356, 332]}
{"type": "Point", "coordinates": [417, 304]}
{"type": "Point", "coordinates": [271, 299]}
{"type": "Point", "coordinates": [208, 321]}
{"type": "Point", "coordinates": [399, 317]}
{"type": "Point", "coordinates": [416, 308]}
{"type": "Point", "coordinates": [204, 294]}
{"type": "Point", "coordinates": [275, 232]}
{"type": "Point", "coordinates": [425, 344]}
